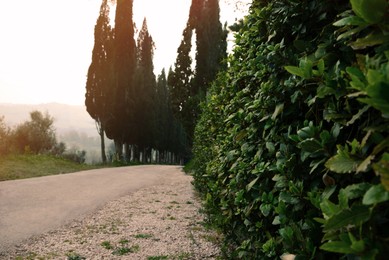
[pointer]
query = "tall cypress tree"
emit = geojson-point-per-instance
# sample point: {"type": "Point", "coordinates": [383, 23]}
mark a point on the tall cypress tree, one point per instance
{"type": "Point", "coordinates": [99, 79]}
{"type": "Point", "coordinates": [211, 45]}
{"type": "Point", "coordinates": [188, 88]}
{"type": "Point", "coordinates": [145, 91]}
{"type": "Point", "coordinates": [162, 115]}
{"type": "Point", "coordinates": [121, 127]}
{"type": "Point", "coordinates": [180, 80]}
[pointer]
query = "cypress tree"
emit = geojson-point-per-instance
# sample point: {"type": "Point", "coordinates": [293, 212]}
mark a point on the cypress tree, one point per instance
{"type": "Point", "coordinates": [188, 88]}
{"type": "Point", "coordinates": [162, 116]}
{"type": "Point", "coordinates": [180, 81]}
{"type": "Point", "coordinates": [99, 80]}
{"type": "Point", "coordinates": [211, 46]}
{"type": "Point", "coordinates": [145, 91]}
{"type": "Point", "coordinates": [121, 128]}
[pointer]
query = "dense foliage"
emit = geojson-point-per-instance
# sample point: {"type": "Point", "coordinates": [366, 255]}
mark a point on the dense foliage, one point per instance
{"type": "Point", "coordinates": [292, 148]}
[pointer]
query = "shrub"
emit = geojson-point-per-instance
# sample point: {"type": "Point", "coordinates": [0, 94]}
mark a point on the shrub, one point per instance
{"type": "Point", "coordinates": [293, 138]}
{"type": "Point", "coordinates": [4, 137]}
{"type": "Point", "coordinates": [36, 135]}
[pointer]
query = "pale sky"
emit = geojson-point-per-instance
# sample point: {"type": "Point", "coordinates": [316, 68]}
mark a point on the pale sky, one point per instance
{"type": "Point", "coordinates": [46, 45]}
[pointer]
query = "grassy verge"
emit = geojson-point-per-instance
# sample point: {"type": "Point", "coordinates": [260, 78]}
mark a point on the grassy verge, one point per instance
{"type": "Point", "coordinates": [13, 167]}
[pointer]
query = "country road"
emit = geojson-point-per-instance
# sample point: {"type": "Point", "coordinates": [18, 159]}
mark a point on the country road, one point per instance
{"type": "Point", "coordinates": [34, 206]}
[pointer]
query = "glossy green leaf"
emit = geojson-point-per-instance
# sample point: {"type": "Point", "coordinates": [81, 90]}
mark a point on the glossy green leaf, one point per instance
{"type": "Point", "coordinates": [335, 130]}
{"type": "Point", "coordinates": [270, 147]}
{"type": "Point", "coordinates": [350, 20]}
{"type": "Point", "coordinates": [369, 41]}
{"type": "Point", "coordinates": [276, 220]}
{"type": "Point", "coordinates": [328, 191]}
{"type": "Point", "coordinates": [355, 73]}
{"type": "Point", "coordinates": [374, 77]}
{"type": "Point", "coordinates": [277, 111]}
{"type": "Point", "coordinates": [365, 165]}
{"type": "Point", "coordinates": [357, 215]}
{"type": "Point", "coordinates": [321, 66]}
{"type": "Point", "coordinates": [310, 145]}
{"type": "Point", "coordinates": [265, 209]}
{"type": "Point", "coordinates": [350, 33]}
{"type": "Point", "coordinates": [351, 192]}
{"type": "Point", "coordinates": [372, 11]}
{"type": "Point", "coordinates": [251, 184]}
{"type": "Point", "coordinates": [375, 194]}
{"type": "Point", "coordinates": [323, 91]}
{"type": "Point", "coordinates": [329, 209]}
{"type": "Point", "coordinates": [295, 71]}
{"type": "Point", "coordinates": [381, 168]}
{"type": "Point", "coordinates": [358, 115]}
{"type": "Point", "coordinates": [287, 198]}
{"type": "Point", "coordinates": [343, 163]}
{"type": "Point", "coordinates": [337, 247]}
{"type": "Point", "coordinates": [286, 234]}
{"type": "Point", "coordinates": [306, 132]}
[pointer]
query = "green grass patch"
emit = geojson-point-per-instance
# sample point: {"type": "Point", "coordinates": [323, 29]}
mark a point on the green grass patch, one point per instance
{"type": "Point", "coordinates": [159, 257]}
{"type": "Point", "coordinates": [126, 250]}
{"type": "Point", "coordinates": [107, 245]}
{"type": "Point", "coordinates": [13, 167]}
{"type": "Point", "coordinates": [145, 236]}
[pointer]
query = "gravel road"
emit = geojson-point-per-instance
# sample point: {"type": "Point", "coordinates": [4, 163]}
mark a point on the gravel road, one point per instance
{"type": "Point", "coordinates": [142, 212]}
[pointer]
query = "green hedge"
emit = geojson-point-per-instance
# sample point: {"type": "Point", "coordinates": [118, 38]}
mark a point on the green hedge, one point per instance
{"type": "Point", "coordinates": [292, 148]}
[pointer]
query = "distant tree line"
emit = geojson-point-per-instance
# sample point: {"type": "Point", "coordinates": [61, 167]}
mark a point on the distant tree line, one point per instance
{"type": "Point", "coordinates": [143, 113]}
{"type": "Point", "coordinates": [35, 136]}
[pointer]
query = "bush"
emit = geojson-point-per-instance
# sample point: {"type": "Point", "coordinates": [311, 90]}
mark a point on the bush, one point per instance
{"type": "Point", "coordinates": [4, 136]}
{"type": "Point", "coordinates": [291, 151]}
{"type": "Point", "coordinates": [36, 135]}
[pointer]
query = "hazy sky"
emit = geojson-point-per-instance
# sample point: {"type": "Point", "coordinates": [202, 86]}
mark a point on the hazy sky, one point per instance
{"type": "Point", "coordinates": [46, 45]}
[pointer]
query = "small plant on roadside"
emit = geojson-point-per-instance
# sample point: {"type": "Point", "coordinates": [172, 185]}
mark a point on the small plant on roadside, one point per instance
{"type": "Point", "coordinates": [74, 256]}
{"type": "Point", "coordinates": [107, 245]}
{"type": "Point", "coordinates": [183, 256]}
{"type": "Point", "coordinates": [160, 257]}
{"type": "Point", "coordinates": [124, 242]}
{"type": "Point", "coordinates": [145, 236]}
{"type": "Point", "coordinates": [126, 250]}
{"type": "Point", "coordinates": [29, 256]}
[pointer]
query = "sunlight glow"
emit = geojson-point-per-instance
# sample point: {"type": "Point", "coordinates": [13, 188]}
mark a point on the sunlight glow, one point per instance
{"type": "Point", "coordinates": [46, 46]}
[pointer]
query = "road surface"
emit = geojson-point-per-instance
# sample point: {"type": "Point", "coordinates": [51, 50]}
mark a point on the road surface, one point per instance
{"type": "Point", "coordinates": [34, 206]}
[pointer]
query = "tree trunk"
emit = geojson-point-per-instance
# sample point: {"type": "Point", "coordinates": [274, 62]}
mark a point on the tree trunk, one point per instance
{"type": "Point", "coordinates": [144, 156]}
{"type": "Point", "coordinates": [127, 153]}
{"type": "Point", "coordinates": [102, 141]}
{"type": "Point", "coordinates": [118, 150]}
{"type": "Point", "coordinates": [136, 154]}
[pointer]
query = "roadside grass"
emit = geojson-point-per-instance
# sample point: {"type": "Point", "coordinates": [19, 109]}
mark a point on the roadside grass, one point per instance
{"type": "Point", "coordinates": [121, 250]}
{"type": "Point", "coordinates": [14, 167]}
{"type": "Point", "coordinates": [143, 236]}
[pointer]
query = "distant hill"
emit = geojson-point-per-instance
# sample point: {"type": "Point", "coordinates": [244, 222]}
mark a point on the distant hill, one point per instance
{"type": "Point", "coordinates": [73, 125]}
{"type": "Point", "coordinates": [67, 117]}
